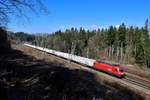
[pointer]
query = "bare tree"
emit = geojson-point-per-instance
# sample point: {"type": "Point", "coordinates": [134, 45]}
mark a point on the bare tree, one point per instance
{"type": "Point", "coordinates": [19, 9]}
{"type": "Point", "coordinates": [149, 29]}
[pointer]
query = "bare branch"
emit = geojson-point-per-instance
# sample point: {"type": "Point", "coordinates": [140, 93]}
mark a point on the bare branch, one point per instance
{"type": "Point", "coordinates": [19, 8]}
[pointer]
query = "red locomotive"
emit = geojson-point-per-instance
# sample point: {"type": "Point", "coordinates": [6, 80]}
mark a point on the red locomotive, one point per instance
{"type": "Point", "coordinates": [114, 69]}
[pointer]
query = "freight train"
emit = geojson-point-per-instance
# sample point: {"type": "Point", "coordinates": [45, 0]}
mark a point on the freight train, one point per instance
{"type": "Point", "coordinates": [110, 68]}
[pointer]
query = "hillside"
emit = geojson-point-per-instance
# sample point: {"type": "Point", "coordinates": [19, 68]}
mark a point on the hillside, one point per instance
{"type": "Point", "coordinates": [24, 77]}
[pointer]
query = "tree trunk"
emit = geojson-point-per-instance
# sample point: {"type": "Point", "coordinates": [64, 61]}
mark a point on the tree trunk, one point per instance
{"type": "Point", "coordinates": [4, 43]}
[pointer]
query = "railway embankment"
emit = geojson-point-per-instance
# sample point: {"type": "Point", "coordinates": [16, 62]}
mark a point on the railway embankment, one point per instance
{"type": "Point", "coordinates": [29, 74]}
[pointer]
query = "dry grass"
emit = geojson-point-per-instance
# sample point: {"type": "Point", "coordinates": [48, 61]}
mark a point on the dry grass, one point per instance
{"type": "Point", "coordinates": [137, 70]}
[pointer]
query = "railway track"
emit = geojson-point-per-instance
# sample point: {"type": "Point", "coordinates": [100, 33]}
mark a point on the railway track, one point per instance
{"type": "Point", "coordinates": [137, 81]}
{"type": "Point", "coordinates": [143, 84]}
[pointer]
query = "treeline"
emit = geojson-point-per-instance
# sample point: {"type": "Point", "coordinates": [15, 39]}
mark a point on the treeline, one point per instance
{"type": "Point", "coordinates": [21, 37]}
{"type": "Point", "coordinates": [121, 44]}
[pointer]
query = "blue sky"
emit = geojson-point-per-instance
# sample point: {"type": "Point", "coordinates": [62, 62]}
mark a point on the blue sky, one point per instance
{"type": "Point", "coordinates": [90, 14]}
